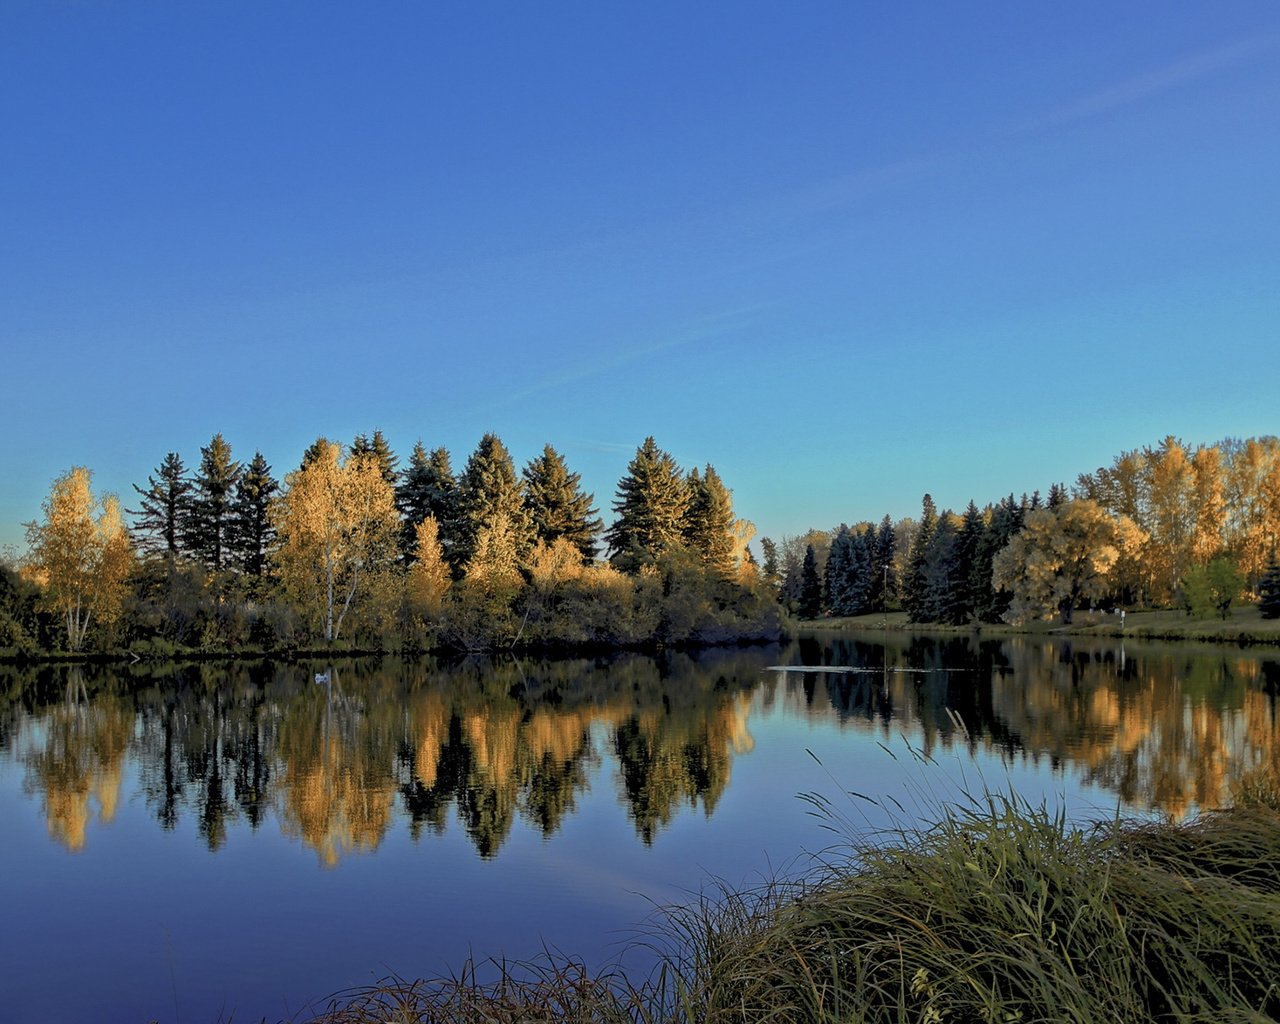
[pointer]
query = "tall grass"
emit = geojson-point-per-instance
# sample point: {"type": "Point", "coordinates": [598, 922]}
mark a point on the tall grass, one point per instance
{"type": "Point", "coordinates": [998, 913]}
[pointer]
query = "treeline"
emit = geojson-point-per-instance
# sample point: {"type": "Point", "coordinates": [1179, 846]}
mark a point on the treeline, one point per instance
{"type": "Point", "coordinates": [351, 548]}
{"type": "Point", "coordinates": [1163, 526]}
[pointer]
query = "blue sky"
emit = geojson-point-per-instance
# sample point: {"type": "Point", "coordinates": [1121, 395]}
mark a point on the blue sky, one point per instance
{"type": "Point", "coordinates": [846, 252]}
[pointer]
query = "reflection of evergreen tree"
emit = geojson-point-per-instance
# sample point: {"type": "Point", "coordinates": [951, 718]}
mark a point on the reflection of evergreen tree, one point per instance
{"type": "Point", "coordinates": [649, 790]}
{"type": "Point", "coordinates": [488, 814]}
{"type": "Point", "coordinates": [252, 774]}
{"type": "Point", "coordinates": [428, 805]}
{"type": "Point", "coordinates": [681, 756]}
{"type": "Point", "coordinates": [549, 795]}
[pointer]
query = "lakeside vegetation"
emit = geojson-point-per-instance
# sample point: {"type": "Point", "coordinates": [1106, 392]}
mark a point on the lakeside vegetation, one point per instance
{"type": "Point", "coordinates": [1164, 527]}
{"type": "Point", "coordinates": [997, 912]}
{"type": "Point", "coordinates": [353, 553]}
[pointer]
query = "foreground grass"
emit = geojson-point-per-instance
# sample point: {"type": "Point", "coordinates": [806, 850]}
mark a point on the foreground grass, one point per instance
{"type": "Point", "coordinates": [998, 913]}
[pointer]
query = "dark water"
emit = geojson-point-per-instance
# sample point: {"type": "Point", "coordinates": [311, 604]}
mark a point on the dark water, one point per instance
{"type": "Point", "coordinates": [202, 842]}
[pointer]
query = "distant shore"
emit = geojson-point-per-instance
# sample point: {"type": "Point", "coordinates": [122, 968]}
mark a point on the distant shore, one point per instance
{"type": "Point", "coordinates": [1245, 626]}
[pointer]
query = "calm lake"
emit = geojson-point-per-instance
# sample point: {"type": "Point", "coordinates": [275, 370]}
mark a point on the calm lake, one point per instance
{"type": "Point", "coordinates": [203, 842]}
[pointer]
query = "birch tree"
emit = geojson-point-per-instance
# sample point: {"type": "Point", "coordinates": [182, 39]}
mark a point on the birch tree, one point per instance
{"type": "Point", "coordinates": [337, 531]}
{"type": "Point", "coordinates": [80, 555]}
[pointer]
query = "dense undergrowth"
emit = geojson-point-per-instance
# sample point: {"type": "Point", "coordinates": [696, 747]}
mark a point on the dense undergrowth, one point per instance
{"type": "Point", "coordinates": [999, 912]}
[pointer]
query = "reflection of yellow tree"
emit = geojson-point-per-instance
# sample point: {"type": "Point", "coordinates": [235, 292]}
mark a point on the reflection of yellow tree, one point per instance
{"type": "Point", "coordinates": [679, 756]}
{"type": "Point", "coordinates": [556, 750]}
{"type": "Point", "coordinates": [489, 799]}
{"type": "Point", "coordinates": [1171, 735]}
{"type": "Point", "coordinates": [82, 760]}
{"type": "Point", "coordinates": [336, 788]}
{"type": "Point", "coordinates": [1169, 729]}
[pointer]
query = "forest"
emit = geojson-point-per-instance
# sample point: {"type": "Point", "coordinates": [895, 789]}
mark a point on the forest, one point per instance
{"type": "Point", "coordinates": [1162, 526]}
{"type": "Point", "coordinates": [352, 551]}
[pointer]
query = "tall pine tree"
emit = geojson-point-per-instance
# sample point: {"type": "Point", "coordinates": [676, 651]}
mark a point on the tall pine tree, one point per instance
{"type": "Point", "coordinates": [491, 498]}
{"type": "Point", "coordinates": [1005, 520]}
{"type": "Point", "coordinates": [649, 508]}
{"type": "Point", "coordinates": [381, 452]}
{"type": "Point", "coordinates": [427, 488]}
{"type": "Point", "coordinates": [941, 599]}
{"type": "Point", "coordinates": [915, 589]}
{"type": "Point", "coordinates": [884, 578]}
{"type": "Point", "coordinates": [251, 532]}
{"type": "Point", "coordinates": [964, 601]}
{"type": "Point", "coordinates": [1269, 591]}
{"type": "Point", "coordinates": [211, 510]}
{"type": "Point", "coordinates": [708, 521]}
{"type": "Point", "coordinates": [810, 586]}
{"type": "Point", "coordinates": [162, 518]}
{"type": "Point", "coordinates": [557, 504]}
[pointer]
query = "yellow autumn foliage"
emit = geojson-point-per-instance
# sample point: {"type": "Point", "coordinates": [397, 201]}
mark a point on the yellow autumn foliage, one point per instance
{"type": "Point", "coordinates": [81, 555]}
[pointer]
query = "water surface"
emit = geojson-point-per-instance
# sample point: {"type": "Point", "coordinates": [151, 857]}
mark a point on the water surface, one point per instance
{"type": "Point", "coordinates": [189, 842]}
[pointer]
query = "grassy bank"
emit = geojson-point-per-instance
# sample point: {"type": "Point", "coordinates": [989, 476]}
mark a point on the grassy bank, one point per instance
{"type": "Point", "coordinates": [1244, 626]}
{"type": "Point", "coordinates": [998, 913]}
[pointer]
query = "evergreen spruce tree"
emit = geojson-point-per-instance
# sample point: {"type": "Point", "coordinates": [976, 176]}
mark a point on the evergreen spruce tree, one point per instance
{"type": "Point", "coordinates": [884, 579]}
{"type": "Point", "coordinates": [380, 451]}
{"type": "Point", "coordinates": [836, 575]}
{"type": "Point", "coordinates": [965, 598]}
{"type": "Point", "coordinates": [649, 508]}
{"type": "Point", "coordinates": [1269, 591]}
{"type": "Point", "coordinates": [861, 547]}
{"type": "Point", "coordinates": [250, 530]}
{"type": "Point", "coordinates": [810, 586]}
{"type": "Point", "coordinates": [162, 519]}
{"type": "Point", "coordinates": [558, 506]}
{"type": "Point", "coordinates": [941, 602]}
{"type": "Point", "coordinates": [427, 488]}
{"type": "Point", "coordinates": [1057, 496]}
{"type": "Point", "coordinates": [211, 510]}
{"type": "Point", "coordinates": [708, 521]}
{"type": "Point", "coordinates": [490, 496]}
{"type": "Point", "coordinates": [770, 570]}
{"type": "Point", "coordinates": [915, 588]}
{"type": "Point", "coordinates": [315, 450]}
{"type": "Point", "coordinates": [1004, 522]}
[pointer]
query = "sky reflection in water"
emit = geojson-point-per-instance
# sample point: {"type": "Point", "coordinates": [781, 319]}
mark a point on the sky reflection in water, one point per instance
{"type": "Point", "coordinates": [186, 842]}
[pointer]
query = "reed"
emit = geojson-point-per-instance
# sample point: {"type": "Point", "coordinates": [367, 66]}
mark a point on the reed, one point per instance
{"type": "Point", "coordinates": [999, 912]}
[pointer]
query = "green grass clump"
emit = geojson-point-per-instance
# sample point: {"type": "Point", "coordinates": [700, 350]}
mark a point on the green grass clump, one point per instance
{"type": "Point", "coordinates": [1004, 913]}
{"type": "Point", "coordinates": [999, 913]}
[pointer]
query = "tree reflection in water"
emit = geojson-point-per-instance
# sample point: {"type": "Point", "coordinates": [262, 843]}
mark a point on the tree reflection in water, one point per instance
{"type": "Point", "coordinates": [490, 742]}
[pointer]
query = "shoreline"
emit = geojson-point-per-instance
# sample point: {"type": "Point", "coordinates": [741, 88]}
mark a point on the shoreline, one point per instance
{"type": "Point", "coordinates": [1244, 628]}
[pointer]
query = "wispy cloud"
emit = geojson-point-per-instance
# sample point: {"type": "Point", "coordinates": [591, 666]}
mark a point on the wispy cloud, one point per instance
{"type": "Point", "coordinates": [615, 358]}
{"type": "Point", "coordinates": [1152, 83]}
